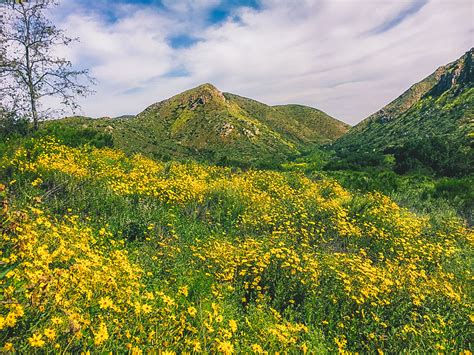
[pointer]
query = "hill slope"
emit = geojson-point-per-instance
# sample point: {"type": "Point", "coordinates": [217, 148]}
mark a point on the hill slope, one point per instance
{"type": "Point", "coordinates": [207, 124]}
{"type": "Point", "coordinates": [299, 124]}
{"type": "Point", "coordinates": [440, 108]}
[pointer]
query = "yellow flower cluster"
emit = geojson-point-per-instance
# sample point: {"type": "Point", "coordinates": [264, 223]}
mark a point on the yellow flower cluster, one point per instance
{"type": "Point", "coordinates": [77, 288]}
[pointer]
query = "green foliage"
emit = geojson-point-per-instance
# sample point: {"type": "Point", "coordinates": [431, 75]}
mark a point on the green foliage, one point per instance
{"type": "Point", "coordinates": [348, 160]}
{"type": "Point", "coordinates": [445, 157]}
{"type": "Point", "coordinates": [385, 181]}
{"type": "Point", "coordinates": [419, 192]}
{"type": "Point", "coordinates": [459, 193]}
{"type": "Point", "coordinates": [11, 125]}
{"type": "Point", "coordinates": [75, 136]}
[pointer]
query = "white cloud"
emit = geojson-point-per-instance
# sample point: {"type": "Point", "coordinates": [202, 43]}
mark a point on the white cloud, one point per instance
{"type": "Point", "coordinates": [184, 6]}
{"type": "Point", "coordinates": [319, 53]}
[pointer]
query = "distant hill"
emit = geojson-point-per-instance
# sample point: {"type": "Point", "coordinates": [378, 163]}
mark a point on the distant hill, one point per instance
{"type": "Point", "coordinates": [124, 117]}
{"type": "Point", "coordinates": [206, 124]}
{"type": "Point", "coordinates": [431, 122]}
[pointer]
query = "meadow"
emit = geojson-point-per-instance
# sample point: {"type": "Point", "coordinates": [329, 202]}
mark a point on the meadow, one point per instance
{"type": "Point", "coordinates": [103, 251]}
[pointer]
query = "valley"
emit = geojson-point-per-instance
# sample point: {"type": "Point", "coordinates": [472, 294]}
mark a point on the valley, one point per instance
{"type": "Point", "coordinates": [213, 223]}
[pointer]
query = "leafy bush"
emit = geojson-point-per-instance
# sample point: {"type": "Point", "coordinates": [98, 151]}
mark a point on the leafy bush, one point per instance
{"type": "Point", "coordinates": [460, 193]}
{"type": "Point", "coordinates": [441, 155]}
{"type": "Point", "coordinates": [11, 125]}
{"type": "Point", "coordinates": [76, 136]}
{"type": "Point", "coordinates": [349, 160]}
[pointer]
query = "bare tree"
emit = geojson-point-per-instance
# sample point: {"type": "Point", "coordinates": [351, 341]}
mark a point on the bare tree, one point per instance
{"type": "Point", "coordinates": [30, 69]}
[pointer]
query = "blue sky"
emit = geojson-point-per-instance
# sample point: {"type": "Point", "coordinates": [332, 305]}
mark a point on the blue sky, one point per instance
{"type": "Point", "coordinates": [215, 11]}
{"type": "Point", "coordinates": [348, 58]}
{"type": "Point", "coordinates": [410, 9]}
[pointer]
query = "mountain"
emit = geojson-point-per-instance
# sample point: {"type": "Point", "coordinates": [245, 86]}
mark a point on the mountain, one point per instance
{"type": "Point", "coordinates": [436, 114]}
{"type": "Point", "coordinates": [207, 124]}
{"type": "Point", "coordinates": [439, 104]}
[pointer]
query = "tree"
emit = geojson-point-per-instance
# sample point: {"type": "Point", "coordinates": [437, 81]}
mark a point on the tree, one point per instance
{"type": "Point", "coordinates": [30, 70]}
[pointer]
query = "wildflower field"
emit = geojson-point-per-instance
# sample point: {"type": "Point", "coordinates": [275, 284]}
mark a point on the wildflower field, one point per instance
{"type": "Point", "coordinates": [101, 251]}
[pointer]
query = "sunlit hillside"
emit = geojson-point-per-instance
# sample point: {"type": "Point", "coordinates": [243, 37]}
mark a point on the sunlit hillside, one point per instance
{"type": "Point", "coordinates": [431, 124]}
{"type": "Point", "coordinates": [101, 251]}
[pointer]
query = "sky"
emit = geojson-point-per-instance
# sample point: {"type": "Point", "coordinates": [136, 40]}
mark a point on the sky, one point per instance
{"type": "Point", "coordinates": [348, 58]}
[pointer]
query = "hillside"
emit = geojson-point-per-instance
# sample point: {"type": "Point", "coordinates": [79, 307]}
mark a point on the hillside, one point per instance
{"type": "Point", "coordinates": [205, 124]}
{"type": "Point", "coordinates": [104, 252]}
{"type": "Point", "coordinates": [302, 125]}
{"type": "Point", "coordinates": [437, 112]}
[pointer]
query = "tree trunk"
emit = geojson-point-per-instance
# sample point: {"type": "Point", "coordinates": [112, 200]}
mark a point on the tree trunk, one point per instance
{"type": "Point", "coordinates": [34, 111]}
{"type": "Point", "coordinates": [29, 70]}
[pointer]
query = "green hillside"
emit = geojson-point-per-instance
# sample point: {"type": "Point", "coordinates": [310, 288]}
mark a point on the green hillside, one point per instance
{"type": "Point", "coordinates": [205, 124]}
{"type": "Point", "coordinates": [431, 122]}
{"type": "Point", "coordinates": [302, 125]}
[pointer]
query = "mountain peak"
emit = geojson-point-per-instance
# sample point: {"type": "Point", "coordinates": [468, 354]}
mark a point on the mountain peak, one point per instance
{"type": "Point", "coordinates": [201, 95]}
{"type": "Point", "coordinates": [204, 89]}
{"type": "Point", "coordinates": [206, 86]}
{"type": "Point", "coordinates": [456, 74]}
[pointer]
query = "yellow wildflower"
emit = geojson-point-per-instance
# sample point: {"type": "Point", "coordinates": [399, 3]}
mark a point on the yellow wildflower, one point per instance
{"type": "Point", "coordinates": [197, 346]}
{"type": "Point", "coordinates": [225, 347]}
{"type": "Point", "coordinates": [257, 349]}
{"type": "Point", "coordinates": [146, 308]}
{"type": "Point", "coordinates": [184, 291]}
{"type": "Point", "coordinates": [36, 340]}
{"type": "Point", "coordinates": [50, 333]}
{"type": "Point", "coordinates": [233, 325]}
{"type": "Point", "coordinates": [192, 311]}
{"type": "Point", "coordinates": [105, 302]}
{"type": "Point", "coordinates": [101, 335]}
